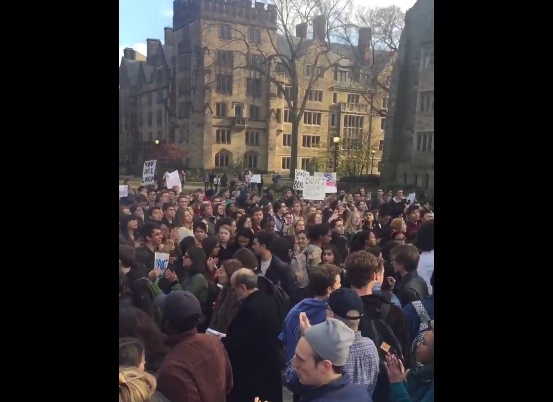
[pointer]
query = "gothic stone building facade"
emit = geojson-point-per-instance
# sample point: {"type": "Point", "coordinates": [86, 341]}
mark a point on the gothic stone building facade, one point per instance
{"type": "Point", "coordinates": [408, 156]}
{"type": "Point", "coordinates": [199, 91]}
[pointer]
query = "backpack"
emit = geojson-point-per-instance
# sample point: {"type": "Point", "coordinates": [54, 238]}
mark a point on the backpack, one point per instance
{"type": "Point", "coordinates": [426, 324]}
{"type": "Point", "coordinates": [380, 332]}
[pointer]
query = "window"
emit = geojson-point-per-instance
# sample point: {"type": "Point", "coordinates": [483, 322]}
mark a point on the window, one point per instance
{"type": "Point", "coordinates": [225, 58]}
{"type": "Point", "coordinates": [149, 118]}
{"type": "Point", "coordinates": [287, 92]}
{"type": "Point", "coordinates": [427, 101]}
{"type": "Point", "coordinates": [159, 135]}
{"type": "Point", "coordinates": [425, 141]}
{"type": "Point", "coordinates": [305, 163]}
{"type": "Point", "coordinates": [183, 135]}
{"type": "Point", "coordinates": [225, 31]}
{"type": "Point", "coordinates": [382, 123]}
{"type": "Point", "coordinates": [255, 35]}
{"type": "Point", "coordinates": [159, 117]}
{"type": "Point", "coordinates": [255, 112]}
{"type": "Point", "coordinates": [404, 178]}
{"type": "Point", "coordinates": [335, 97]}
{"type": "Point", "coordinates": [253, 86]}
{"type": "Point", "coordinates": [311, 141]}
{"type": "Point", "coordinates": [314, 71]}
{"type": "Point", "coordinates": [281, 69]}
{"type": "Point", "coordinates": [255, 60]}
{"type": "Point", "coordinates": [381, 145]}
{"type": "Point", "coordinates": [286, 162]}
{"type": "Point", "coordinates": [159, 77]}
{"type": "Point", "coordinates": [150, 136]}
{"type": "Point", "coordinates": [333, 119]}
{"type": "Point", "coordinates": [278, 115]}
{"type": "Point", "coordinates": [341, 75]}
{"type": "Point", "coordinates": [149, 99]}
{"type": "Point", "coordinates": [287, 118]}
{"type": "Point", "coordinates": [427, 59]}
{"type": "Point", "coordinates": [222, 136]}
{"type": "Point", "coordinates": [385, 102]}
{"type": "Point", "coordinates": [252, 138]}
{"type": "Point", "coordinates": [222, 159]}
{"type": "Point", "coordinates": [160, 96]}
{"type": "Point", "coordinates": [353, 121]}
{"type": "Point", "coordinates": [286, 140]}
{"type": "Point", "coordinates": [315, 95]}
{"type": "Point", "coordinates": [185, 61]}
{"type": "Point", "coordinates": [312, 118]}
{"type": "Point", "coordinates": [184, 110]}
{"type": "Point", "coordinates": [224, 83]}
{"type": "Point", "coordinates": [221, 109]}
{"type": "Point", "coordinates": [379, 167]}
{"type": "Point", "coordinates": [353, 98]}
{"type": "Point", "coordinates": [140, 119]}
{"type": "Point", "coordinates": [184, 86]}
{"type": "Point", "coordinates": [238, 109]}
{"type": "Point", "coordinates": [251, 161]}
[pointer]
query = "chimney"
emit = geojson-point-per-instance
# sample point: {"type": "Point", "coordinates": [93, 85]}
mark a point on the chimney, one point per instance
{"type": "Point", "coordinates": [319, 28]}
{"type": "Point", "coordinates": [151, 50]}
{"type": "Point", "coordinates": [364, 43]}
{"type": "Point", "coordinates": [168, 36]}
{"type": "Point", "coordinates": [129, 53]}
{"type": "Point", "coordinates": [301, 30]}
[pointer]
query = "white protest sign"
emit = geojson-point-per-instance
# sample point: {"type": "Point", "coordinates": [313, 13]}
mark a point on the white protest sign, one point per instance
{"type": "Point", "coordinates": [124, 190]}
{"type": "Point", "coordinates": [148, 172]}
{"type": "Point", "coordinates": [411, 197]}
{"type": "Point", "coordinates": [330, 179]}
{"type": "Point", "coordinates": [256, 178]}
{"type": "Point", "coordinates": [173, 179]}
{"type": "Point", "coordinates": [161, 260]}
{"type": "Point", "coordinates": [314, 188]}
{"type": "Point", "coordinates": [298, 178]}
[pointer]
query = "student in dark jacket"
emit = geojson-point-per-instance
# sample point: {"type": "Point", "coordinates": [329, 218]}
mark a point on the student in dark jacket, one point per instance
{"type": "Point", "coordinates": [413, 316]}
{"type": "Point", "coordinates": [411, 287]}
{"type": "Point", "coordinates": [361, 270]}
{"type": "Point", "coordinates": [252, 343]}
{"type": "Point", "coordinates": [271, 267]}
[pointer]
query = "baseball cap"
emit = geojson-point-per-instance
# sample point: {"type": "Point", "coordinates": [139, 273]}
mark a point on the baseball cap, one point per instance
{"type": "Point", "coordinates": [343, 300]}
{"type": "Point", "coordinates": [178, 305]}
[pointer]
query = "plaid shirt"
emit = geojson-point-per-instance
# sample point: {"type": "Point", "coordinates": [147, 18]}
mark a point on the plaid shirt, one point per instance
{"type": "Point", "coordinates": [361, 365]}
{"type": "Point", "coordinates": [362, 362]}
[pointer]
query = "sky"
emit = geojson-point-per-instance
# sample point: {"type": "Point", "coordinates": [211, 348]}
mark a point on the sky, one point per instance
{"type": "Point", "coordinates": [142, 19]}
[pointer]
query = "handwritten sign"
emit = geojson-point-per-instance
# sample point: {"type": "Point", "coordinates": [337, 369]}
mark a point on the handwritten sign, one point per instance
{"type": "Point", "coordinates": [298, 178]}
{"type": "Point", "coordinates": [124, 190]}
{"type": "Point", "coordinates": [314, 188]}
{"type": "Point", "coordinates": [161, 260]}
{"type": "Point", "coordinates": [330, 179]}
{"type": "Point", "coordinates": [149, 172]}
{"type": "Point", "coordinates": [173, 180]}
{"type": "Point", "coordinates": [256, 178]}
{"type": "Point", "coordinates": [411, 197]}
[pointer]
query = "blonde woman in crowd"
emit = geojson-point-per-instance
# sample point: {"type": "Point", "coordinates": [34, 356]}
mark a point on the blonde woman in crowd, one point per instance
{"type": "Point", "coordinates": [185, 218]}
{"type": "Point", "coordinates": [138, 386]}
{"type": "Point", "coordinates": [294, 229]}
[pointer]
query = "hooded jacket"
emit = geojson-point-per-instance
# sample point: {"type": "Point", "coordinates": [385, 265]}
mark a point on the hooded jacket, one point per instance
{"type": "Point", "coordinates": [290, 335]}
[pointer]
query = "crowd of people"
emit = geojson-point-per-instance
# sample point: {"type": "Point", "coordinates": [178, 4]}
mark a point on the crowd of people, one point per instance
{"type": "Point", "coordinates": [331, 299]}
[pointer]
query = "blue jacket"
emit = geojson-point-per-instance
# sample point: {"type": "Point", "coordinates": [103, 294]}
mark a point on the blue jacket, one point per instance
{"type": "Point", "coordinates": [290, 335]}
{"type": "Point", "coordinates": [341, 390]}
{"type": "Point", "coordinates": [377, 290]}
{"type": "Point", "coordinates": [413, 320]}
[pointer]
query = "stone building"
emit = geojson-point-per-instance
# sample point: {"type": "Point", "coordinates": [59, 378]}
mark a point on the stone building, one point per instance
{"type": "Point", "coordinates": [408, 156]}
{"type": "Point", "coordinates": [207, 89]}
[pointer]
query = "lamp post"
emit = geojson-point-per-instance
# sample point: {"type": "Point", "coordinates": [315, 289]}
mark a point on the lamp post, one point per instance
{"type": "Point", "coordinates": [156, 142]}
{"type": "Point", "coordinates": [372, 159]}
{"type": "Point", "coordinates": [336, 141]}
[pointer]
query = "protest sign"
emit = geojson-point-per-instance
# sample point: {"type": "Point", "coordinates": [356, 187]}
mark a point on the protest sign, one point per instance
{"type": "Point", "coordinates": [161, 260]}
{"type": "Point", "coordinates": [330, 179]}
{"type": "Point", "coordinates": [314, 188]}
{"type": "Point", "coordinates": [173, 179]}
{"type": "Point", "coordinates": [411, 197]}
{"type": "Point", "coordinates": [256, 178]}
{"type": "Point", "coordinates": [149, 172]}
{"type": "Point", "coordinates": [124, 190]}
{"type": "Point", "coordinates": [298, 178]}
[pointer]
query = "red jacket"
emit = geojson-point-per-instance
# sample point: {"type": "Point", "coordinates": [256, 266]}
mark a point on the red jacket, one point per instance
{"type": "Point", "coordinates": [197, 369]}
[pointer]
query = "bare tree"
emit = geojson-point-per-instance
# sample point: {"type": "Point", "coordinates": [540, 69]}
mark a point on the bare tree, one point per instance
{"type": "Point", "coordinates": [290, 64]}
